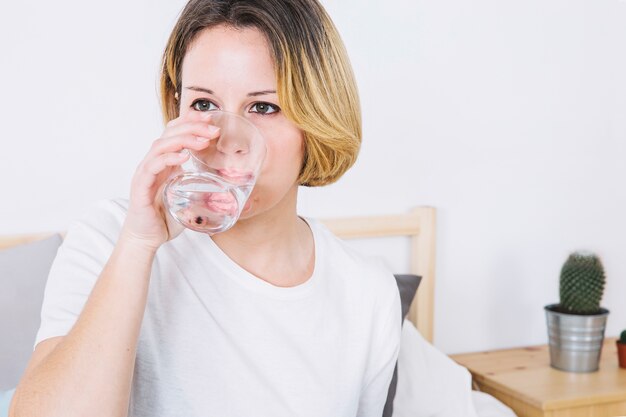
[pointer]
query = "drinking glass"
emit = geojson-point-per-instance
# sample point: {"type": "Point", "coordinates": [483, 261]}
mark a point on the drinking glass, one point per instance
{"type": "Point", "coordinates": [208, 192]}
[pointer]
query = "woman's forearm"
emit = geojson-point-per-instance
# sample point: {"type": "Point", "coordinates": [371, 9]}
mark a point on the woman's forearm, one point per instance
{"type": "Point", "coordinates": [89, 373]}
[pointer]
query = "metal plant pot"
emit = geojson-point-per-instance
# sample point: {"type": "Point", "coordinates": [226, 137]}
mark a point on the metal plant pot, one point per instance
{"type": "Point", "coordinates": [575, 340]}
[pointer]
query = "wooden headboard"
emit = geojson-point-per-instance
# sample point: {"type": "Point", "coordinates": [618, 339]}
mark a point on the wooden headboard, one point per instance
{"type": "Point", "coordinates": [418, 224]}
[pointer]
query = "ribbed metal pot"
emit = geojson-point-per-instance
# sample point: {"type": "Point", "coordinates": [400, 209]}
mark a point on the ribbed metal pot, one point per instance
{"type": "Point", "coordinates": [575, 340]}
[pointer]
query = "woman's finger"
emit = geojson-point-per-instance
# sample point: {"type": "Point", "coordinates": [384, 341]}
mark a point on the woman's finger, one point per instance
{"type": "Point", "coordinates": [177, 143]}
{"type": "Point", "coordinates": [189, 117]}
{"type": "Point", "coordinates": [198, 128]}
{"type": "Point", "coordinates": [148, 172]}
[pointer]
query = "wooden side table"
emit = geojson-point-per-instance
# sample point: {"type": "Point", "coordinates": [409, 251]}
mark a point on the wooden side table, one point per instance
{"type": "Point", "coordinates": [523, 379]}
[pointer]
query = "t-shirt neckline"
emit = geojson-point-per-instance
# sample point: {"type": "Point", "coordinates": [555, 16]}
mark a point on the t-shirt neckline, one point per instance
{"type": "Point", "coordinates": [243, 277]}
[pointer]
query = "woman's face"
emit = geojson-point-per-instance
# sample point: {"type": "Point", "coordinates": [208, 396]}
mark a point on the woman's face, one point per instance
{"type": "Point", "coordinates": [233, 70]}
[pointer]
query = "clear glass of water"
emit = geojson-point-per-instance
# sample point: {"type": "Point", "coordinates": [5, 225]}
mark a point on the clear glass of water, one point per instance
{"type": "Point", "coordinates": [209, 191]}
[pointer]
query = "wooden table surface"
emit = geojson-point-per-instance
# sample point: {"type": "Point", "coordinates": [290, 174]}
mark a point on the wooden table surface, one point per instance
{"type": "Point", "coordinates": [525, 375]}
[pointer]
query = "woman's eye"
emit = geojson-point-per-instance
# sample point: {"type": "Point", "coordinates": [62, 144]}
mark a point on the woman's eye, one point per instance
{"type": "Point", "coordinates": [203, 105]}
{"type": "Point", "coordinates": [264, 108]}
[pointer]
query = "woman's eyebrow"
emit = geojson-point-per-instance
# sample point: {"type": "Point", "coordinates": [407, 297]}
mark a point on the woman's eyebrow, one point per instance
{"type": "Point", "coordinates": [261, 93]}
{"type": "Point", "coordinates": [252, 94]}
{"type": "Point", "coordinates": [204, 90]}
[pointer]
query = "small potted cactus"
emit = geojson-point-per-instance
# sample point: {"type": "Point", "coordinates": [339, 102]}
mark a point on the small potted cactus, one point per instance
{"type": "Point", "coordinates": [621, 349]}
{"type": "Point", "coordinates": [576, 325]}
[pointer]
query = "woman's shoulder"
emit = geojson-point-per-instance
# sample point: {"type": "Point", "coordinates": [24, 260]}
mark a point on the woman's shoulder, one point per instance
{"type": "Point", "coordinates": [104, 215]}
{"type": "Point", "coordinates": [97, 226]}
{"type": "Point", "coordinates": [352, 264]}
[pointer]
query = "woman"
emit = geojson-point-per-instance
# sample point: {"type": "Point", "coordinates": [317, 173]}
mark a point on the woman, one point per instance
{"type": "Point", "coordinates": [274, 317]}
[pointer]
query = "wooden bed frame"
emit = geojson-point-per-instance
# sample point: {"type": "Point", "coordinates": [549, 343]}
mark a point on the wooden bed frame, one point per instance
{"type": "Point", "coordinates": [418, 224]}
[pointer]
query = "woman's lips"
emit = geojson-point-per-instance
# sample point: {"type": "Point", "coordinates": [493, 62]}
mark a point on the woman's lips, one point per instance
{"type": "Point", "coordinates": [235, 176]}
{"type": "Point", "coordinates": [223, 203]}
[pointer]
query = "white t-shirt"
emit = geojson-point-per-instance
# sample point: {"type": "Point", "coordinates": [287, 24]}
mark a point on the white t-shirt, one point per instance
{"type": "Point", "coordinates": [218, 341]}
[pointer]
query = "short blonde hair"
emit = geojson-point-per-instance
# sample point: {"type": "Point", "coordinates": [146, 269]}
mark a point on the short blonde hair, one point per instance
{"type": "Point", "coordinates": [316, 85]}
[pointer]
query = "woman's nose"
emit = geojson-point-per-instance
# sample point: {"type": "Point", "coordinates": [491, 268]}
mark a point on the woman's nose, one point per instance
{"type": "Point", "coordinates": [232, 146]}
{"type": "Point", "coordinates": [233, 140]}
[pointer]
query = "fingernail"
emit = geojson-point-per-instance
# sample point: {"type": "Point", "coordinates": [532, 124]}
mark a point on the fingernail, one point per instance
{"type": "Point", "coordinates": [213, 129]}
{"type": "Point", "coordinates": [201, 139]}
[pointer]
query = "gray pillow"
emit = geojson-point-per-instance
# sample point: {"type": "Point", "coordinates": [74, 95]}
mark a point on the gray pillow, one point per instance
{"type": "Point", "coordinates": [407, 285]}
{"type": "Point", "coordinates": [23, 274]}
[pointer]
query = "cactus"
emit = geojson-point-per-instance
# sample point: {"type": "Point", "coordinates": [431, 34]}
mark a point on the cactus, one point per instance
{"type": "Point", "coordinates": [581, 284]}
{"type": "Point", "coordinates": [622, 337]}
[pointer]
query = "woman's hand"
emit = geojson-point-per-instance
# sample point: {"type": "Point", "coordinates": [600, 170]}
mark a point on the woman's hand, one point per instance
{"type": "Point", "coordinates": [147, 222]}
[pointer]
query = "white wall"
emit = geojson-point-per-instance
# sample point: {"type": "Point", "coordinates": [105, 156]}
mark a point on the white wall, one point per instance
{"type": "Point", "coordinates": [509, 117]}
